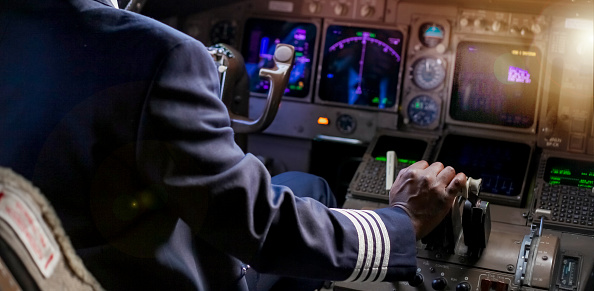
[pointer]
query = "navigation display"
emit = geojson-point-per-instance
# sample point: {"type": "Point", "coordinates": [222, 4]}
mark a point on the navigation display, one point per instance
{"type": "Point", "coordinates": [260, 40]}
{"type": "Point", "coordinates": [495, 84]}
{"type": "Point", "coordinates": [501, 164]}
{"type": "Point", "coordinates": [569, 172]}
{"type": "Point", "coordinates": [361, 66]}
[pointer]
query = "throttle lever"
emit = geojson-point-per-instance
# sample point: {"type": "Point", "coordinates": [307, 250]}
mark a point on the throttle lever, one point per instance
{"type": "Point", "coordinates": [230, 65]}
{"type": "Point", "coordinates": [284, 56]}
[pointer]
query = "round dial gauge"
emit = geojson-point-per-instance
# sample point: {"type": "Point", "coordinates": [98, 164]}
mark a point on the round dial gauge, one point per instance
{"type": "Point", "coordinates": [346, 123]}
{"type": "Point", "coordinates": [423, 110]}
{"type": "Point", "coordinates": [431, 34]}
{"type": "Point", "coordinates": [428, 73]}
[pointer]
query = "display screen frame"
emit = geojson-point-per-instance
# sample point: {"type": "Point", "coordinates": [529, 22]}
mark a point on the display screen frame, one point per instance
{"type": "Point", "coordinates": [308, 93]}
{"type": "Point", "coordinates": [534, 45]}
{"type": "Point", "coordinates": [402, 29]}
{"type": "Point", "coordinates": [445, 154]}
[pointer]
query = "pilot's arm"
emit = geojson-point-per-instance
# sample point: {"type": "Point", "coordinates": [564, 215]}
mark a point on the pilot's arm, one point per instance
{"type": "Point", "coordinates": [186, 147]}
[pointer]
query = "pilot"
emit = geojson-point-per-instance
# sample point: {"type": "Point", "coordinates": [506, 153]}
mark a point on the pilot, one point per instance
{"type": "Point", "coordinates": [115, 117]}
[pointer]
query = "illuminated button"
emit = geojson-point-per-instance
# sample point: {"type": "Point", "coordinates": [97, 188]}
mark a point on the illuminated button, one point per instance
{"type": "Point", "coordinates": [323, 120]}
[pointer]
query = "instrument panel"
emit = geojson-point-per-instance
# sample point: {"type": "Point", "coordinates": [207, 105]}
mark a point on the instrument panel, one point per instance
{"type": "Point", "coordinates": [501, 90]}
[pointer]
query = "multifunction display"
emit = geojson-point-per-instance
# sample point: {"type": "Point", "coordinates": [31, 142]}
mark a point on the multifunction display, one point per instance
{"type": "Point", "coordinates": [496, 84]}
{"type": "Point", "coordinates": [259, 43]}
{"type": "Point", "coordinates": [361, 66]}
{"type": "Point", "coordinates": [569, 172]}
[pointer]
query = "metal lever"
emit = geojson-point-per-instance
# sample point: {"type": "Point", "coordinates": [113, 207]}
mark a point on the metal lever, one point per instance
{"type": "Point", "coordinates": [284, 56]}
{"type": "Point", "coordinates": [231, 69]}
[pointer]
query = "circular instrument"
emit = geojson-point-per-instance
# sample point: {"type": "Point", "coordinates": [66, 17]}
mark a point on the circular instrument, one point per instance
{"type": "Point", "coordinates": [346, 123]}
{"type": "Point", "coordinates": [423, 110]}
{"type": "Point", "coordinates": [428, 73]}
{"type": "Point", "coordinates": [431, 34]}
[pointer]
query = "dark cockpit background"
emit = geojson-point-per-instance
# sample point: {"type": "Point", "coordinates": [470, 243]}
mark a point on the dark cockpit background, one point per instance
{"type": "Point", "coordinates": [501, 90]}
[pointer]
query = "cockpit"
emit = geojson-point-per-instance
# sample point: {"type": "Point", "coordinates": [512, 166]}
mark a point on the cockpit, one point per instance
{"type": "Point", "coordinates": [500, 90]}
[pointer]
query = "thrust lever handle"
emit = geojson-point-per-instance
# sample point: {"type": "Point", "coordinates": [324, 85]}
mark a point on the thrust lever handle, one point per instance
{"type": "Point", "coordinates": [284, 56]}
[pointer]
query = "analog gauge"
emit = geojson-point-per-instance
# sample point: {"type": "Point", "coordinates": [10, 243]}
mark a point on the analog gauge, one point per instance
{"type": "Point", "coordinates": [423, 110]}
{"type": "Point", "coordinates": [223, 32]}
{"type": "Point", "coordinates": [431, 34]}
{"type": "Point", "coordinates": [428, 73]}
{"type": "Point", "coordinates": [346, 123]}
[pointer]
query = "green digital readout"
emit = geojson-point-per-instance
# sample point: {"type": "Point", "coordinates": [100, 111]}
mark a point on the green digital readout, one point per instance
{"type": "Point", "coordinates": [569, 172]}
{"type": "Point", "coordinates": [400, 161]}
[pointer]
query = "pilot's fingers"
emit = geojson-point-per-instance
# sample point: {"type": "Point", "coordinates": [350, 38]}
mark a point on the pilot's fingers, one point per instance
{"type": "Point", "coordinates": [457, 184]}
{"type": "Point", "coordinates": [420, 165]}
{"type": "Point", "coordinates": [446, 175]}
{"type": "Point", "coordinates": [434, 169]}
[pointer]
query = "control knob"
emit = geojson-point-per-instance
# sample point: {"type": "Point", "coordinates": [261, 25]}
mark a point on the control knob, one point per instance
{"type": "Point", "coordinates": [464, 286]}
{"type": "Point", "coordinates": [464, 22]}
{"type": "Point", "coordinates": [439, 283]}
{"type": "Point", "coordinates": [480, 23]}
{"type": "Point", "coordinates": [314, 7]}
{"type": "Point", "coordinates": [514, 29]}
{"type": "Point", "coordinates": [340, 9]}
{"type": "Point", "coordinates": [416, 281]}
{"type": "Point", "coordinates": [367, 10]}
{"type": "Point", "coordinates": [497, 25]}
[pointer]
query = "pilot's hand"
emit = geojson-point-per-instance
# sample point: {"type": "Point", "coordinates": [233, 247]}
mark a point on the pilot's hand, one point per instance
{"type": "Point", "coordinates": [426, 192]}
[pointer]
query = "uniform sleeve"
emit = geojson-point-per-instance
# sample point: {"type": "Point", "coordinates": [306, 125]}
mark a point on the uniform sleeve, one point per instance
{"type": "Point", "coordinates": [186, 151]}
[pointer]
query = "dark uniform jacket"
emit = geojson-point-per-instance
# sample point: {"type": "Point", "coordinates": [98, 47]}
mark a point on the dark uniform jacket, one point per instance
{"type": "Point", "coordinates": [115, 117]}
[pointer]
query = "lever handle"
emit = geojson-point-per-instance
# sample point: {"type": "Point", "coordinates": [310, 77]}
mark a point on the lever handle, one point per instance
{"type": "Point", "coordinates": [284, 56]}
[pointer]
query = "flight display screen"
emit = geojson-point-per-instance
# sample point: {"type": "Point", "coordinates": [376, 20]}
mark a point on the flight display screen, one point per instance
{"type": "Point", "coordinates": [361, 66]}
{"type": "Point", "coordinates": [260, 40]}
{"type": "Point", "coordinates": [495, 84]}
{"type": "Point", "coordinates": [501, 164]}
{"type": "Point", "coordinates": [560, 171]}
{"type": "Point", "coordinates": [408, 150]}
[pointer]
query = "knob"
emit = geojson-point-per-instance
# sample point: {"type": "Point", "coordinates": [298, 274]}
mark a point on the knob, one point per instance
{"type": "Point", "coordinates": [340, 9]}
{"type": "Point", "coordinates": [514, 29]}
{"type": "Point", "coordinates": [464, 22]}
{"type": "Point", "coordinates": [497, 25]}
{"type": "Point", "coordinates": [416, 281]}
{"type": "Point", "coordinates": [439, 283]}
{"type": "Point", "coordinates": [314, 7]}
{"type": "Point", "coordinates": [479, 23]}
{"type": "Point", "coordinates": [367, 10]}
{"type": "Point", "coordinates": [464, 286]}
